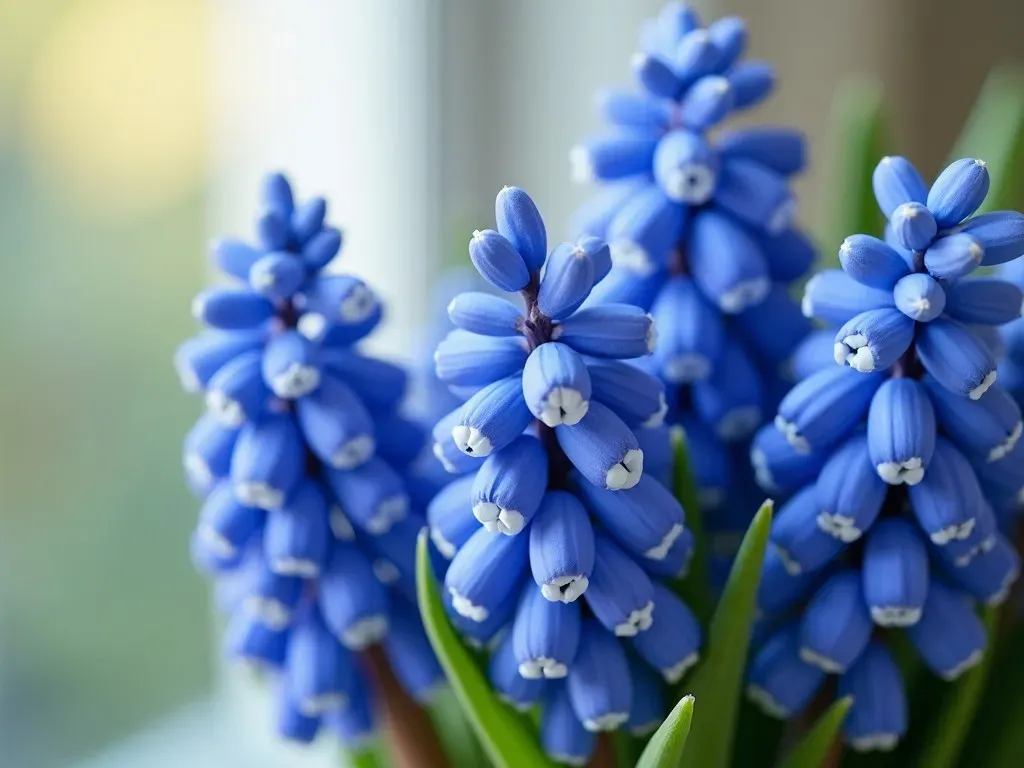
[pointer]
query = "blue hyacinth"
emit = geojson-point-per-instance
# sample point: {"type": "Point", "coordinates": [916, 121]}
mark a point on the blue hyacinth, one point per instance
{"type": "Point", "coordinates": [306, 521]}
{"type": "Point", "coordinates": [560, 454]}
{"type": "Point", "coordinates": [1011, 368]}
{"type": "Point", "coordinates": [903, 464]}
{"type": "Point", "coordinates": [700, 230]}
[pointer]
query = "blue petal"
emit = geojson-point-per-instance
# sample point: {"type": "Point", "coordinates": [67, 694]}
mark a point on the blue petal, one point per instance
{"type": "Point", "coordinates": [599, 684]}
{"type": "Point", "coordinates": [774, 328]}
{"type": "Point", "coordinates": [394, 555]}
{"type": "Point", "coordinates": [695, 56]}
{"type": "Point", "coordinates": [920, 297]}
{"type": "Point", "coordinates": [599, 254]}
{"type": "Point", "coordinates": [268, 461]}
{"type": "Point", "coordinates": [895, 573]}
{"type": "Point", "coordinates": [950, 637]}
{"type": "Point", "coordinates": [336, 425]}
{"type": "Point", "coordinates": [445, 450]}
{"type": "Point", "coordinates": [521, 224]}
{"type": "Point", "coordinates": [291, 724]}
{"type": "Point", "coordinates": [481, 634]}
{"type": "Point", "coordinates": [648, 700]}
{"type": "Point", "coordinates": [603, 449]}
{"type": "Point", "coordinates": [731, 400]}
{"type": "Point", "coordinates": [872, 262]}
{"type": "Point", "coordinates": [561, 733]}
{"type": "Point", "coordinates": [646, 520]}
{"type": "Point", "coordinates": [988, 301]}
{"type": "Point", "coordinates": [1003, 480]}
{"type": "Point", "coordinates": [657, 445]}
{"type": "Point", "coordinates": [632, 394]}
{"type": "Point", "coordinates": [352, 599]}
{"type": "Point", "coordinates": [782, 150]}
{"type": "Point", "coordinates": [509, 487]}
{"type": "Point", "coordinates": [958, 191]}
{"type": "Point", "coordinates": [272, 230]}
{"type": "Point", "coordinates": [709, 460]}
{"type": "Point", "coordinates": [249, 639]}
{"type": "Point", "coordinates": [994, 341]}
{"type": "Point", "coordinates": [296, 537]}
{"type": "Point", "coordinates": [953, 256]}
{"type": "Point", "coordinates": [686, 167]}
{"type": "Point", "coordinates": [556, 385]}
{"type": "Point", "coordinates": [336, 300]}
{"type": "Point", "coordinates": [595, 216]}
{"type": "Point", "coordinates": [276, 194]}
{"type": "Point", "coordinates": [690, 332]}
{"type": "Point", "coordinates": [545, 635]}
{"type": "Point", "coordinates": [372, 495]}
{"type": "Point", "coordinates": [801, 544]}
{"type": "Point", "coordinates": [633, 110]}
{"type": "Point", "coordinates": [896, 181]}
{"type": "Point", "coordinates": [1000, 233]}
{"type": "Point", "coordinates": [308, 219]}
{"type": "Point", "coordinates": [874, 340]}
{"type": "Point", "coordinates": [990, 575]}
{"type": "Point", "coordinates": [620, 594]}
{"type": "Point", "coordinates": [234, 257]}
{"type": "Point", "coordinates": [655, 76]}
{"type": "Point", "coordinates": [946, 500]}
{"type": "Point", "coordinates": [277, 275]}
{"type": "Point", "coordinates": [901, 431]}
{"type": "Point", "coordinates": [672, 643]}
{"type": "Point", "coordinates": [379, 384]}
{"type": "Point", "coordinates": [676, 563]}
{"type": "Point", "coordinates": [321, 248]}
{"type": "Point", "coordinates": [225, 525]}
{"type": "Point", "coordinates": [706, 102]}
{"type": "Point", "coordinates": [849, 492]}
{"type": "Point", "coordinates": [207, 453]}
{"type": "Point", "coordinates": [520, 693]}
{"type": "Point", "coordinates": [834, 297]}
{"type": "Point", "coordinates": [354, 725]}
{"type": "Point", "coordinates": [320, 672]}
{"type": "Point", "coordinates": [399, 440]}
{"type": "Point", "coordinates": [815, 353]}
{"type": "Point", "coordinates": [953, 354]}
{"type": "Point", "coordinates": [751, 83]}
{"type": "Point", "coordinates": [485, 314]}
{"type": "Point", "coordinates": [291, 367]}
{"type": "Point", "coordinates": [273, 598]}
{"type": "Point", "coordinates": [465, 359]}
{"type": "Point", "coordinates": [836, 626]}
{"type": "Point", "coordinates": [497, 261]}
{"type": "Point", "coordinates": [961, 552]}
{"type": "Point", "coordinates": [199, 358]}
{"type": "Point", "coordinates": [237, 393]}
{"type": "Point", "coordinates": [231, 309]}
{"type": "Point", "coordinates": [624, 286]}
{"type": "Point", "coordinates": [561, 547]}
{"type": "Point", "coordinates": [778, 681]}
{"type": "Point", "coordinates": [913, 226]}
{"type": "Point", "coordinates": [613, 157]}
{"type": "Point", "coordinates": [644, 230]}
{"type": "Point", "coordinates": [988, 428]}
{"type": "Point", "coordinates": [755, 195]}
{"type": "Point", "coordinates": [726, 262]}
{"type": "Point", "coordinates": [779, 467]}
{"type": "Point", "coordinates": [410, 654]}
{"type": "Point", "coordinates": [878, 718]}
{"type": "Point", "coordinates": [618, 331]}
{"type": "Point", "coordinates": [492, 418]}
{"type": "Point", "coordinates": [780, 590]}
{"type": "Point", "coordinates": [825, 407]}
{"type": "Point", "coordinates": [485, 573]}
{"type": "Point", "coordinates": [729, 34]}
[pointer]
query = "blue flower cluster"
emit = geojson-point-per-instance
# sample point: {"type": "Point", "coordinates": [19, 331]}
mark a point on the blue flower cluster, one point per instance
{"type": "Point", "coordinates": [701, 234]}
{"type": "Point", "coordinates": [560, 453]}
{"type": "Point", "coordinates": [904, 461]}
{"type": "Point", "coordinates": [1011, 369]}
{"type": "Point", "coordinates": [306, 521]}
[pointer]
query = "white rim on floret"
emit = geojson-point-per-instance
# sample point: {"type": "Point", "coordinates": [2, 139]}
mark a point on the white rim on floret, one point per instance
{"type": "Point", "coordinates": [627, 472]}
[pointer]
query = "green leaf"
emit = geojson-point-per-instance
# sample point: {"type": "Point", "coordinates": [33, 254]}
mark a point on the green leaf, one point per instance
{"type": "Point", "coordinates": [455, 732]}
{"type": "Point", "coordinates": [858, 141]}
{"type": "Point", "coordinates": [950, 727]}
{"type": "Point", "coordinates": [506, 739]}
{"type": "Point", "coordinates": [994, 132]}
{"type": "Point", "coordinates": [665, 749]}
{"type": "Point", "coordinates": [695, 589]}
{"type": "Point", "coordinates": [372, 757]}
{"type": "Point", "coordinates": [814, 747]}
{"type": "Point", "coordinates": [719, 681]}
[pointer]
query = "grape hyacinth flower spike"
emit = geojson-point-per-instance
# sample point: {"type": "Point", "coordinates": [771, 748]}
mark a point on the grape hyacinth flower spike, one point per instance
{"type": "Point", "coordinates": [700, 227]}
{"type": "Point", "coordinates": [306, 525]}
{"type": "Point", "coordinates": [902, 463]}
{"type": "Point", "coordinates": [554, 527]}
{"type": "Point", "coordinates": [1011, 369]}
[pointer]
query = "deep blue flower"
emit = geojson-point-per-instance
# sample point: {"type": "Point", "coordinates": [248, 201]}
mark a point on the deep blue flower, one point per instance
{"type": "Point", "coordinates": [903, 464]}
{"type": "Point", "coordinates": [555, 525]}
{"type": "Point", "coordinates": [307, 524]}
{"type": "Point", "coordinates": [1011, 369]}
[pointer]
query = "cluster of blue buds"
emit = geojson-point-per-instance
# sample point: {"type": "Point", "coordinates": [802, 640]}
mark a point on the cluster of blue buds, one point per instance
{"type": "Point", "coordinates": [1011, 368]}
{"type": "Point", "coordinates": [561, 455]}
{"type": "Point", "coordinates": [904, 461]}
{"type": "Point", "coordinates": [701, 234]}
{"type": "Point", "coordinates": [306, 522]}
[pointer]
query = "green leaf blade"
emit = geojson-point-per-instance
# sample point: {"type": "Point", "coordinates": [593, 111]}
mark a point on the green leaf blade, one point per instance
{"type": "Point", "coordinates": [814, 747]}
{"type": "Point", "coordinates": [666, 747]}
{"type": "Point", "coordinates": [503, 734]}
{"type": "Point", "coordinates": [718, 682]}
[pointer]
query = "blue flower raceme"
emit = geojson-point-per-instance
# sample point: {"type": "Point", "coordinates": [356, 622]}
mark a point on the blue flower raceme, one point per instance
{"type": "Point", "coordinates": [904, 462]}
{"type": "Point", "coordinates": [306, 522]}
{"type": "Point", "coordinates": [701, 233]}
{"type": "Point", "coordinates": [557, 525]}
{"type": "Point", "coordinates": [1011, 369]}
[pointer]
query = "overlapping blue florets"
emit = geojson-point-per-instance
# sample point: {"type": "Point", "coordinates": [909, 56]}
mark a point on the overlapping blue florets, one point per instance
{"type": "Point", "coordinates": [306, 521]}
{"type": "Point", "coordinates": [1011, 368]}
{"type": "Point", "coordinates": [561, 453]}
{"type": "Point", "coordinates": [903, 463]}
{"type": "Point", "coordinates": [700, 230]}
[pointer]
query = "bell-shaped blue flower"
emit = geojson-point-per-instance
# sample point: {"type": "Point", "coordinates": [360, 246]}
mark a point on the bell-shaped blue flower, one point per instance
{"type": "Point", "coordinates": [836, 626]}
{"type": "Point", "coordinates": [545, 635]}
{"type": "Point", "coordinates": [950, 637]}
{"type": "Point", "coordinates": [599, 684]}
{"type": "Point", "coordinates": [901, 431]}
{"type": "Point", "coordinates": [778, 680]}
{"type": "Point", "coordinates": [895, 573]}
{"type": "Point", "coordinates": [878, 718]}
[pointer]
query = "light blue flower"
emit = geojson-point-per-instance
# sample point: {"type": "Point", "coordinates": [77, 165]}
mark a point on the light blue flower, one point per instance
{"type": "Point", "coordinates": [306, 524]}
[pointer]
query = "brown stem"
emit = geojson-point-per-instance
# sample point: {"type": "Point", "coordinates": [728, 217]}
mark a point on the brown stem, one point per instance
{"type": "Point", "coordinates": [604, 753]}
{"type": "Point", "coordinates": [411, 739]}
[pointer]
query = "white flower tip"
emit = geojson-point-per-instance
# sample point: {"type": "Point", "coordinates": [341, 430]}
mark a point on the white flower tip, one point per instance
{"type": "Point", "coordinates": [652, 335]}
{"type": "Point", "coordinates": [909, 472]}
{"type": "Point", "coordinates": [296, 381]}
{"type": "Point", "coordinates": [738, 423]}
{"type": "Point", "coordinates": [358, 305]}
{"type": "Point", "coordinates": [295, 566]}
{"type": "Point", "coordinates": [477, 235]}
{"type": "Point", "coordinates": [980, 163]}
{"type": "Point", "coordinates": [627, 472]}
{"type": "Point", "coordinates": [895, 615]}
{"type": "Point", "coordinates": [445, 547]}
{"type": "Point", "coordinates": [608, 722]}
{"type": "Point", "coordinates": [812, 658]}
{"type": "Point", "coordinates": [256, 494]}
{"type": "Point", "coordinates": [976, 252]}
{"type": "Point", "coordinates": [766, 702]}
{"type": "Point", "coordinates": [221, 546]}
{"type": "Point", "coordinates": [660, 551]}
{"type": "Point", "coordinates": [657, 418]}
{"type": "Point", "coordinates": [225, 410]}
{"type": "Point", "coordinates": [629, 255]}
{"type": "Point", "coordinates": [198, 307]}
{"type": "Point", "coordinates": [875, 742]}
{"type": "Point", "coordinates": [639, 60]}
{"type": "Point", "coordinates": [465, 607]}
{"type": "Point", "coordinates": [471, 441]}
{"type": "Point", "coordinates": [675, 673]}
{"type": "Point", "coordinates": [565, 589]}
{"type": "Point", "coordinates": [692, 183]}
{"type": "Point", "coordinates": [270, 612]}
{"type": "Point", "coordinates": [1000, 451]}
{"type": "Point", "coordinates": [744, 295]}
{"type": "Point", "coordinates": [972, 660]}
{"type": "Point", "coordinates": [386, 571]}
{"type": "Point", "coordinates": [719, 84]}
{"type": "Point", "coordinates": [839, 527]}
{"type": "Point", "coordinates": [312, 325]}
{"type": "Point", "coordinates": [563, 405]}
{"type": "Point", "coordinates": [983, 387]}
{"type": "Point", "coordinates": [362, 634]}
{"type": "Point", "coordinates": [198, 470]}
{"type": "Point", "coordinates": [354, 453]}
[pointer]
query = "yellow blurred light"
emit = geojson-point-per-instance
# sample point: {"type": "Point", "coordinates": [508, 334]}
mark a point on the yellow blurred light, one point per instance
{"type": "Point", "coordinates": [115, 104]}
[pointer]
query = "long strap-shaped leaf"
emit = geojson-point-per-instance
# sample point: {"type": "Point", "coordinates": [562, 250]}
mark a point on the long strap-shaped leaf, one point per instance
{"type": "Point", "coordinates": [816, 743]}
{"type": "Point", "coordinates": [665, 749]}
{"type": "Point", "coordinates": [718, 683]}
{"type": "Point", "coordinates": [508, 743]}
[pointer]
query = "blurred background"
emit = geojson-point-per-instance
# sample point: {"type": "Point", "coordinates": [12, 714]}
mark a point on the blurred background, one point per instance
{"type": "Point", "coordinates": [131, 130]}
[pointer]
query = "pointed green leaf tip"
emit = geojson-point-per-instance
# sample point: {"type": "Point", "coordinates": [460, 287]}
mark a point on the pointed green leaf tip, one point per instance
{"type": "Point", "coordinates": [718, 683]}
{"type": "Point", "coordinates": [508, 743]}
{"type": "Point", "coordinates": [665, 749]}
{"type": "Point", "coordinates": [814, 747]}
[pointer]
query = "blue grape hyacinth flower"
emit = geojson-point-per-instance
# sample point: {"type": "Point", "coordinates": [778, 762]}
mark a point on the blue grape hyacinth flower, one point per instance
{"type": "Point", "coordinates": [699, 223]}
{"type": "Point", "coordinates": [1011, 368]}
{"type": "Point", "coordinates": [560, 533]}
{"type": "Point", "coordinates": [306, 523]}
{"type": "Point", "coordinates": [903, 464]}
